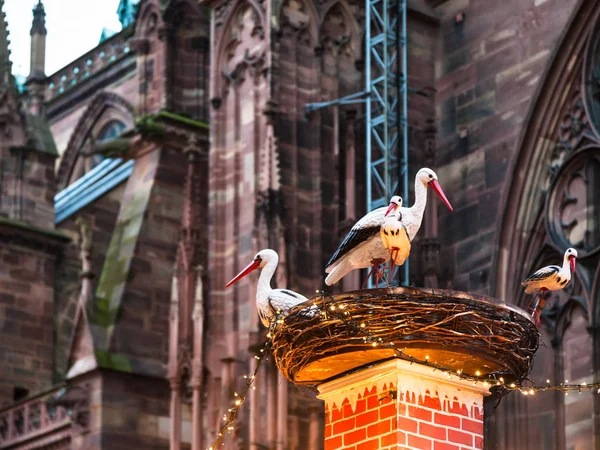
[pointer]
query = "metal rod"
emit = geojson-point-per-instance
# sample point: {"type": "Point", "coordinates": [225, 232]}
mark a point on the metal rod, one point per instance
{"type": "Point", "coordinates": [404, 124]}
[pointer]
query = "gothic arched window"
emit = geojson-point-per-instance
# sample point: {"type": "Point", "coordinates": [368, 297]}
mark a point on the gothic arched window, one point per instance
{"type": "Point", "coordinates": [555, 206]}
{"type": "Point", "coordinates": [108, 132]}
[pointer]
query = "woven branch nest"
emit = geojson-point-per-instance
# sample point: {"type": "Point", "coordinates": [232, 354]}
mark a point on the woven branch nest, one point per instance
{"type": "Point", "coordinates": [446, 329]}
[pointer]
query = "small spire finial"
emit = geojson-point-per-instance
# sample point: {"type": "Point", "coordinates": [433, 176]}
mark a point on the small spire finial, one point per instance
{"type": "Point", "coordinates": [39, 20]}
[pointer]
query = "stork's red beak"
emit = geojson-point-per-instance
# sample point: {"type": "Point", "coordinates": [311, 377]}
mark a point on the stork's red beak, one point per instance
{"type": "Point", "coordinates": [572, 259]}
{"type": "Point", "coordinates": [390, 209]}
{"type": "Point", "coordinates": [249, 268]}
{"type": "Point", "coordinates": [438, 190]}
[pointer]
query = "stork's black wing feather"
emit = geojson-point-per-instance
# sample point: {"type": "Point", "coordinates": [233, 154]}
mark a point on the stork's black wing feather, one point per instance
{"type": "Point", "coordinates": [542, 273]}
{"type": "Point", "coordinates": [355, 237]}
{"type": "Point", "coordinates": [290, 293]}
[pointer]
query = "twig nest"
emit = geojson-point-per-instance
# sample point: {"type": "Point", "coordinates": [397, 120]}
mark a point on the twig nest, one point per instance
{"type": "Point", "coordinates": [449, 330]}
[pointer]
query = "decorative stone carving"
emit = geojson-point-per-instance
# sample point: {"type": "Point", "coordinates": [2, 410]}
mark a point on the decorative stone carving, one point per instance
{"type": "Point", "coordinates": [185, 372]}
{"type": "Point", "coordinates": [591, 81]}
{"type": "Point", "coordinates": [76, 400]}
{"type": "Point", "coordinates": [246, 47]}
{"type": "Point", "coordinates": [574, 130]}
{"type": "Point", "coordinates": [294, 19]}
{"type": "Point", "coordinates": [221, 13]}
{"type": "Point", "coordinates": [573, 203]}
{"type": "Point", "coordinates": [572, 206]}
{"type": "Point", "coordinates": [336, 37]}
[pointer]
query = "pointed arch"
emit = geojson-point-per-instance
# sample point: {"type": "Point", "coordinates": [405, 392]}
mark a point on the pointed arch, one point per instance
{"type": "Point", "coordinates": [147, 20]}
{"type": "Point", "coordinates": [523, 200]}
{"type": "Point", "coordinates": [231, 47]}
{"type": "Point", "coordinates": [301, 16]}
{"type": "Point", "coordinates": [106, 107]}
{"type": "Point", "coordinates": [341, 8]}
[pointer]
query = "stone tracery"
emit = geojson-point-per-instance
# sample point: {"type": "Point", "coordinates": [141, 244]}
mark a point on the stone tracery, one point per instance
{"type": "Point", "coordinates": [549, 207]}
{"type": "Point", "coordinates": [244, 46]}
{"type": "Point", "coordinates": [336, 36]}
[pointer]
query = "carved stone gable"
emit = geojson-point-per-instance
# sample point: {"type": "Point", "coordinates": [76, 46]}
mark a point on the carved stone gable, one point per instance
{"type": "Point", "coordinates": [247, 43]}
{"type": "Point", "coordinates": [336, 36]}
{"type": "Point", "coordinates": [293, 15]}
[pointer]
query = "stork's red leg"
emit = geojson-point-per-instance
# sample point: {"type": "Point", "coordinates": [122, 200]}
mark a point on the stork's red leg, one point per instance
{"type": "Point", "coordinates": [541, 292]}
{"type": "Point", "coordinates": [369, 275]}
{"type": "Point", "coordinates": [533, 303]}
{"type": "Point", "coordinates": [539, 306]}
{"type": "Point", "coordinates": [392, 265]}
{"type": "Point", "coordinates": [377, 275]}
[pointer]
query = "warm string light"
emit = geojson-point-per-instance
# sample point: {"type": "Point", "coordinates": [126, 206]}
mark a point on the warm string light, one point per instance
{"type": "Point", "coordinates": [493, 381]}
{"type": "Point", "coordinates": [339, 311]}
{"type": "Point", "coordinates": [240, 398]}
{"type": "Point", "coordinates": [562, 387]}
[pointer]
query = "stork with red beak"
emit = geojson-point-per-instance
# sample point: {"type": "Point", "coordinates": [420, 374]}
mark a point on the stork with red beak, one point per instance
{"type": "Point", "coordinates": [549, 278]}
{"type": "Point", "coordinates": [394, 235]}
{"type": "Point", "coordinates": [362, 247]}
{"type": "Point", "coordinates": [269, 302]}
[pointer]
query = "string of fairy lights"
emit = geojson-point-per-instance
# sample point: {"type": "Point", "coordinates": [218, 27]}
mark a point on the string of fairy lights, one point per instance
{"type": "Point", "coordinates": [240, 397]}
{"type": "Point", "coordinates": [494, 382]}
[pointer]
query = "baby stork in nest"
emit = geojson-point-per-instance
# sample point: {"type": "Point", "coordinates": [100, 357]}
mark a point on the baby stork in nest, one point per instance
{"type": "Point", "coordinates": [269, 302]}
{"type": "Point", "coordinates": [394, 235]}
{"type": "Point", "coordinates": [549, 278]}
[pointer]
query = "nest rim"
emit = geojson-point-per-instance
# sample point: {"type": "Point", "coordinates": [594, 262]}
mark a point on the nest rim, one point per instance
{"type": "Point", "coordinates": [292, 345]}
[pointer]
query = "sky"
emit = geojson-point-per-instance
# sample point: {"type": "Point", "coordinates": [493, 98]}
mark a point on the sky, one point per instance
{"type": "Point", "coordinates": [74, 27]}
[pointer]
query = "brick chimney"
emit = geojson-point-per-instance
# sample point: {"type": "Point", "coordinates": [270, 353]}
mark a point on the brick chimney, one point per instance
{"type": "Point", "coordinates": [397, 404]}
{"type": "Point", "coordinates": [389, 381]}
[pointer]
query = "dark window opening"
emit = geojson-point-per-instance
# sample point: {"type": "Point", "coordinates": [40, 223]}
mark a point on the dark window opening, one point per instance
{"type": "Point", "coordinates": [19, 393]}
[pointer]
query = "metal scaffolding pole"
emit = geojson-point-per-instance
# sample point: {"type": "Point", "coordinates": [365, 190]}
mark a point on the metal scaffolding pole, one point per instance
{"type": "Point", "coordinates": [386, 113]}
{"type": "Point", "coordinates": [386, 105]}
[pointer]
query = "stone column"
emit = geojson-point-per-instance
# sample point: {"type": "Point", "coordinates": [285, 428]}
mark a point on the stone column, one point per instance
{"type": "Point", "coordinates": [430, 245]}
{"type": "Point", "coordinates": [398, 404]}
{"type": "Point", "coordinates": [352, 280]}
{"type": "Point", "coordinates": [255, 423]}
{"type": "Point", "coordinates": [313, 430]}
{"type": "Point", "coordinates": [282, 412]}
{"type": "Point", "coordinates": [175, 414]}
{"type": "Point", "coordinates": [271, 425]}
{"type": "Point", "coordinates": [173, 369]}
{"type": "Point", "coordinates": [198, 363]}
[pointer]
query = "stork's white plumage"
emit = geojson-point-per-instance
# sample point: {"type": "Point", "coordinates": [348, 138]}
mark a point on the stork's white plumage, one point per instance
{"type": "Point", "coordinates": [549, 278]}
{"type": "Point", "coordinates": [362, 247]}
{"type": "Point", "coordinates": [269, 301]}
{"type": "Point", "coordinates": [394, 235]}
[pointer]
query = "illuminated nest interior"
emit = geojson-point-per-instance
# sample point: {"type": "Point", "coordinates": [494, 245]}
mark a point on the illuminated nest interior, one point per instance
{"type": "Point", "coordinates": [472, 335]}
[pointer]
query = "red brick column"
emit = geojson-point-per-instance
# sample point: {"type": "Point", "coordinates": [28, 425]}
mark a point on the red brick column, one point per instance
{"type": "Point", "coordinates": [396, 405]}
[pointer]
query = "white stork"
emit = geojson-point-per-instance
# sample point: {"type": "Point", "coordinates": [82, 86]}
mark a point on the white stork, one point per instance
{"type": "Point", "coordinates": [394, 235]}
{"type": "Point", "coordinates": [549, 278]}
{"type": "Point", "coordinates": [269, 301]}
{"type": "Point", "coordinates": [362, 247]}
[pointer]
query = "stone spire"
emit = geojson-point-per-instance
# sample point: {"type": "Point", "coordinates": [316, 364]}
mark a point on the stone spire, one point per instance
{"type": "Point", "coordinates": [5, 64]}
{"type": "Point", "coordinates": [38, 43]}
{"type": "Point", "coordinates": [39, 20]}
